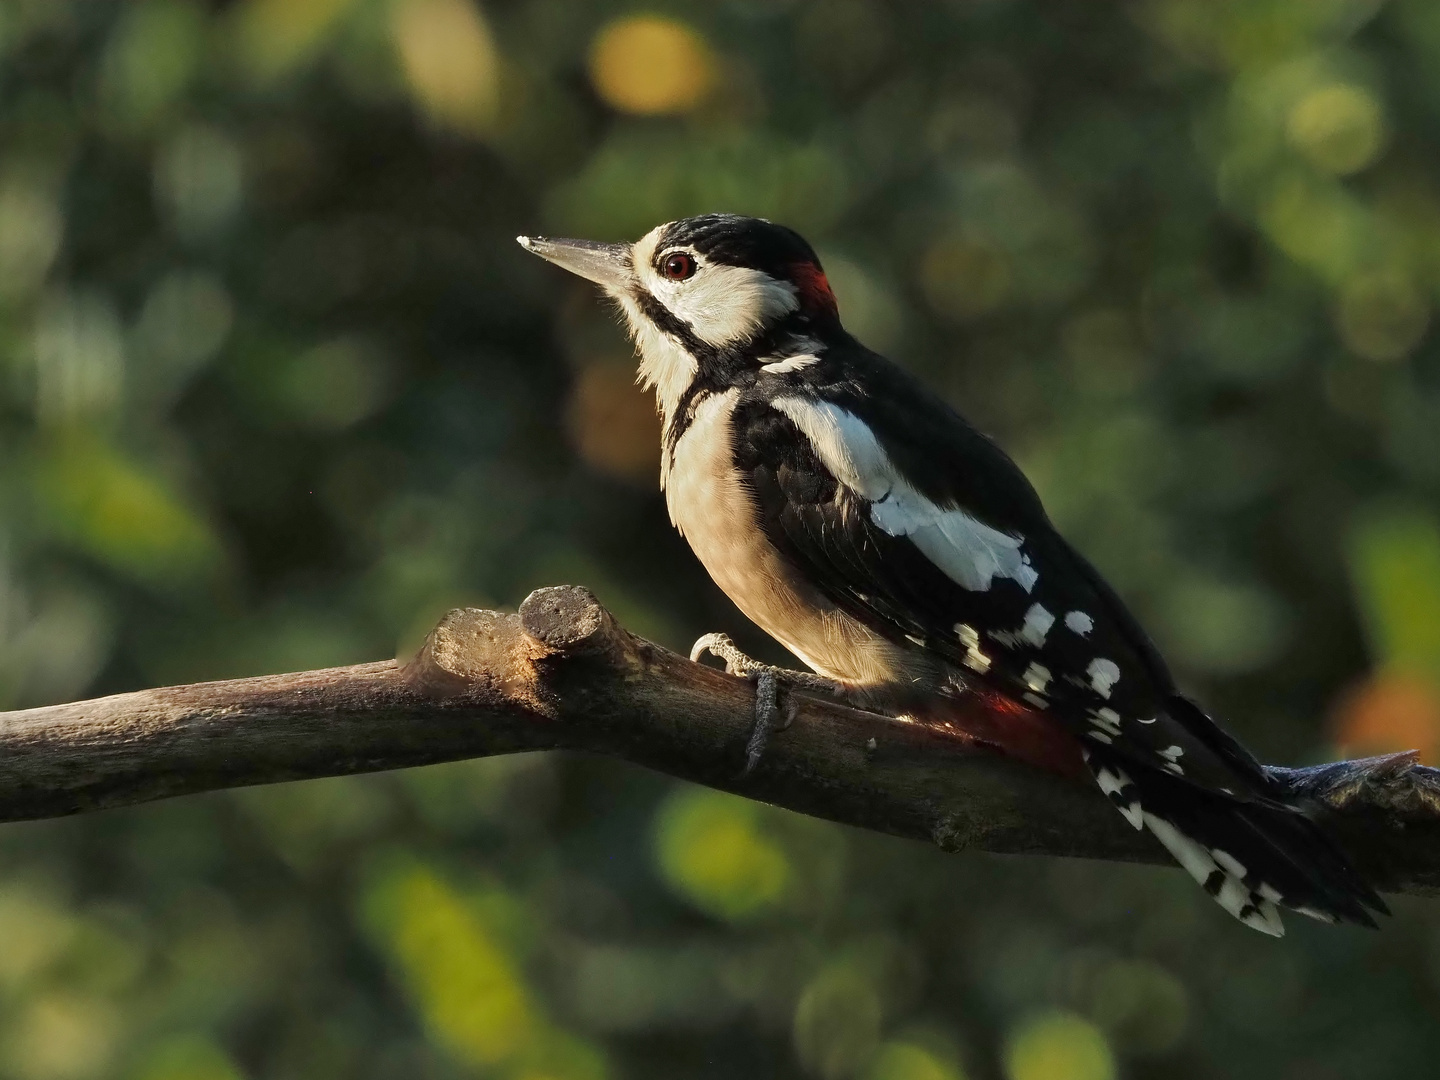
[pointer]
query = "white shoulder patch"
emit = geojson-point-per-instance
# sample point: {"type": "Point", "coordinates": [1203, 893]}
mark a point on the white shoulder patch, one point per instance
{"type": "Point", "coordinates": [971, 553]}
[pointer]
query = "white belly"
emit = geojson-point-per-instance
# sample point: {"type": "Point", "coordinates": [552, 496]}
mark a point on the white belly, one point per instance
{"type": "Point", "coordinates": [715, 513]}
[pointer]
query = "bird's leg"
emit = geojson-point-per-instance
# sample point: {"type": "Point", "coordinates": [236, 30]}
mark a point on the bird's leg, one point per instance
{"type": "Point", "coordinates": [767, 680]}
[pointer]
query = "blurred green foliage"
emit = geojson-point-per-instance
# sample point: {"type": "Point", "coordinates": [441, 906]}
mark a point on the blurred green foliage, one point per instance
{"type": "Point", "coordinates": [277, 388]}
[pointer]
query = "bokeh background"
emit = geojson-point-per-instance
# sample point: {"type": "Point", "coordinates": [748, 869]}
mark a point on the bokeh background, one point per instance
{"type": "Point", "coordinates": [277, 388]}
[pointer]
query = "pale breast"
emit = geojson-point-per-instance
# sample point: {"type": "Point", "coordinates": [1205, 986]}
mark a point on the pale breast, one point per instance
{"type": "Point", "coordinates": [714, 512]}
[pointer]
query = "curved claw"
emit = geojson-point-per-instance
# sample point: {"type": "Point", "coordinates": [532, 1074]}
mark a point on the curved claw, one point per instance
{"type": "Point", "coordinates": [769, 717]}
{"type": "Point", "coordinates": [721, 647]}
{"type": "Point", "coordinates": [715, 644]}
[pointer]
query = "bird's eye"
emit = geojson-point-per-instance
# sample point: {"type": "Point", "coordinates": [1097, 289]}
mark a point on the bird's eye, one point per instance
{"type": "Point", "coordinates": [678, 266]}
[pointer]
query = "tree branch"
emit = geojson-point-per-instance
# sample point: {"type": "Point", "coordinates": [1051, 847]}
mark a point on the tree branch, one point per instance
{"type": "Point", "coordinates": [562, 674]}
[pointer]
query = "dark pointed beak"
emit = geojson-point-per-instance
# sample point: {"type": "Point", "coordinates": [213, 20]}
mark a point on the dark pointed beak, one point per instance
{"type": "Point", "coordinates": [608, 265]}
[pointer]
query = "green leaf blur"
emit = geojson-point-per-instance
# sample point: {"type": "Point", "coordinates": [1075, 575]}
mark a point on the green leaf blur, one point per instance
{"type": "Point", "coordinates": [712, 851]}
{"type": "Point", "coordinates": [277, 388]}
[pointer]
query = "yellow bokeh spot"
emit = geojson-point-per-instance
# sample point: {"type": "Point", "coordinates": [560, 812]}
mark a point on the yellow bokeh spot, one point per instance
{"type": "Point", "coordinates": [1339, 127]}
{"type": "Point", "coordinates": [276, 36]}
{"type": "Point", "coordinates": [456, 955]}
{"type": "Point", "coordinates": [38, 929]}
{"type": "Point", "coordinates": [1394, 556]}
{"type": "Point", "coordinates": [962, 279]}
{"type": "Point", "coordinates": [651, 66]}
{"type": "Point", "coordinates": [906, 1061]}
{"type": "Point", "coordinates": [1381, 316]}
{"type": "Point", "coordinates": [335, 385]}
{"type": "Point", "coordinates": [63, 1037]}
{"type": "Point", "coordinates": [837, 1023]}
{"type": "Point", "coordinates": [1316, 222]}
{"type": "Point", "coordinates": [122, 514]}
{"type": "Point", "coordinates": [711, 850]}
{"type": "Point", "coordinates": [187, 1057]}
{"type": "Point", "coordinates": [468, 989]}
{"type": "Point", "coordinates": [151, 57]}
{"type": "Point", "coordinates": [450, 61]}
{"type": "Point", "coordinates": [612, 422]}
{"type": "Point", "coordinates": [1141, 1006]}
{"type": "Point", "coordinates": [1058, 1046]}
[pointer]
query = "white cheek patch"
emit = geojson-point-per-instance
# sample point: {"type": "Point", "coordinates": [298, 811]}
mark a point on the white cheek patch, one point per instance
{"type": "Point", "coordinates": [969, 552]}
{"type": "Point", "coordinates": [722, 304]}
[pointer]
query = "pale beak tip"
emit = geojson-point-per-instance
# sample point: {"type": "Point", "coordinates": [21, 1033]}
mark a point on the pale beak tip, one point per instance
{"type": "Point", "coordinates": [608, 265]}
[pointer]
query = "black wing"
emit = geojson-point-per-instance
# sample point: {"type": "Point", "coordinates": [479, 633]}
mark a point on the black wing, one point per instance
{"type": "Point", "coordinates": [1051, 632]}
{"type": "Point", "coordinates": [1064, 643]}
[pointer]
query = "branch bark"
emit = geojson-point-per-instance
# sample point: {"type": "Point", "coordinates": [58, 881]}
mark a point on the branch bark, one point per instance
{"type": "Point", "coordinates": [562, 674]}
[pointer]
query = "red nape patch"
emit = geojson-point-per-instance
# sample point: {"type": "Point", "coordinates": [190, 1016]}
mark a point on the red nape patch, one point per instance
{"type": "Point", "coordinates": [815, 293]}
{"type": "Point", "coordinates": [1006, 726]}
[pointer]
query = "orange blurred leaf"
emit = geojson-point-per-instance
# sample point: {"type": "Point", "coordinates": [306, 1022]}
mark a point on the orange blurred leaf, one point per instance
{"type": "Point", "coordinates": [1388, 712]}
{"type": "Point", "coordinates": [612, 423]}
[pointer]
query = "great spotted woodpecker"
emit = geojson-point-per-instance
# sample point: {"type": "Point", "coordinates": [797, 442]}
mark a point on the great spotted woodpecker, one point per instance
{"type": "Point", "coordinates": [897, 551]}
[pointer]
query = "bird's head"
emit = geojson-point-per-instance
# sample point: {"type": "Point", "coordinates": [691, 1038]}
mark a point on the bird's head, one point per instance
{"type": "Point", "coordinates": [711, 297]}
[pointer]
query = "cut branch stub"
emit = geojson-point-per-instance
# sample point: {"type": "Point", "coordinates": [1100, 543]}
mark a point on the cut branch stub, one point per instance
{"type": "Point", "coordinates": [569, 620]}
{"type": "Point", "coordinates": [469, 651]}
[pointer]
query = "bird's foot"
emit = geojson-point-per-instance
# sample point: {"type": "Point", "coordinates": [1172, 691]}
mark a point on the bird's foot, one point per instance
{"type": "Point", "coordinates": [767, 680]}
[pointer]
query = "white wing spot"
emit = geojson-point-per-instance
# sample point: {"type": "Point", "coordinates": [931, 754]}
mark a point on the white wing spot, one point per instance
{"type": "Point", "coordinates": [975, 660]}
{"type": "Point", "coordinates": [1173, 753]}
{"type": "Point", "coordinates": [1112, 782]}
{"type": "Point", "coordinates": [1037, 677]}
{"type": "Point", "coordinates": [790, 363]}
{"type": "Point", "coordinates": [1107, 720]}
{"type": "Point", "coordinates": [1267, 920]}
{"type": "Point", "coordinates": [1077, 622]}
{"type": "Point", "coordinates": [1115, 784]}
{"type": "Point", "coordinates": [1037, 624]}
{"type": "Point", "coordinates": [1255, 908]}
{"type": "Point", "coordinates": [1228, 862]}
{"type": "Point", "coordinates": [1103, 675]}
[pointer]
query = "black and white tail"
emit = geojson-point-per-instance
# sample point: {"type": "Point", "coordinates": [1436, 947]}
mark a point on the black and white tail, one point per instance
{"type": "Point", "coordinates": [1253, 855]}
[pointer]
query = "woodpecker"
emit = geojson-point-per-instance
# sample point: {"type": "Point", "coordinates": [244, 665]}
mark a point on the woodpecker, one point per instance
{"type": "Point", "coordinates": [903, 556]}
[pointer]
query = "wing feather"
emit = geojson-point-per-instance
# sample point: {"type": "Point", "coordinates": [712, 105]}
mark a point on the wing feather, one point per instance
{"type": "Point", "coordinates": [935, 575]}
{"type": "Point", "coordinates": [1001, 596]}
